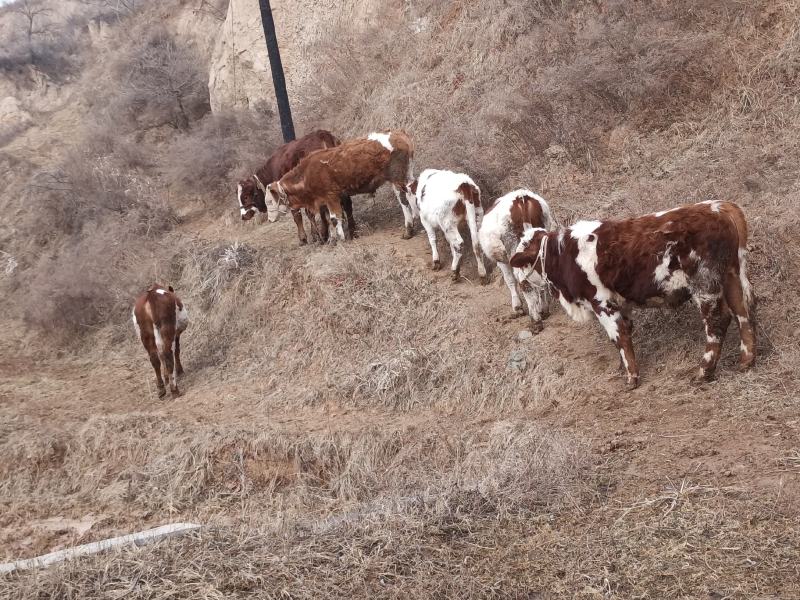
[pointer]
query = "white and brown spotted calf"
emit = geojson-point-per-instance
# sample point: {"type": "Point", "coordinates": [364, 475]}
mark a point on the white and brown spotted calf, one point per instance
{"type": "Point", "coordinates": [503, 226]}
{"type": "Point", "coordinates": [445, 200]}
{"type": "Point", "coordinates": [159, 318]}
{"type": "Point", "coordinates": [606, 268]}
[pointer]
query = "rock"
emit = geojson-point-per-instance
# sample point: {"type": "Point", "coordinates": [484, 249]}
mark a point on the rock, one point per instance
{"type": "Point", "coordinates": [239, 72]}
{"type": "Point", "coordinates": [11, 113]}
{"type": "Point", "coordinates": [524, 335]}
{"type": "Point", "coordinates": [517, 360]}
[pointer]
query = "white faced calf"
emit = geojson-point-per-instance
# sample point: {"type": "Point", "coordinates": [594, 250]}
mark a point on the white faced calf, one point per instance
{"type": "Point", "coordinates": [503, 227]}
{"type": "Point", "coordinates": [445, 200]}
{"type": "Point", "coordinates": [159, 318]}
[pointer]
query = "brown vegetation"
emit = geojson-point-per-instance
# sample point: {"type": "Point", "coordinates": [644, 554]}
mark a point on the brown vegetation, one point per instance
{"type": "Point", "coordinates": [350, 426]}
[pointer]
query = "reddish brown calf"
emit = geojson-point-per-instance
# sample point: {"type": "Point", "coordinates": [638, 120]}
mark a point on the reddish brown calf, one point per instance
{"type": "Point", "coordinates": [250, 191]}
{"type": "Point", "coordinates": [358, 166]}
{"type": "Point", "coordinates": [697, 251]}
{"type": "Point", "coordinates": [159, 318]}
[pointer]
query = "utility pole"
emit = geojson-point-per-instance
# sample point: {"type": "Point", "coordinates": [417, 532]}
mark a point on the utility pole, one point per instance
{"type": "Point", "coordinates": [284, 111]}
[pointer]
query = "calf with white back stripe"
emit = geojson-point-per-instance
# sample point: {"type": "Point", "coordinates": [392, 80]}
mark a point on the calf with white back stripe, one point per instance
{"type": "Point", "coordinates": [159, 318]}
{"type": "Point", "coordinates": [605, 268]}
{"type": "Point", "coordinates": [446, 199]}
{"type": "Point", "coordinates": [503, 226]}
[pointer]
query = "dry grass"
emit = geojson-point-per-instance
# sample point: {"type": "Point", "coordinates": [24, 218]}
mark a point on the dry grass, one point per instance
{"type": "Point", "coordinates": [454, 481]}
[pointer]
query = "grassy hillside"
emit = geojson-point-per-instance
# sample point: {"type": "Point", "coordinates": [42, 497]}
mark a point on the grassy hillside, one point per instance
{"type": "Point", "coordinates": [350, 424]}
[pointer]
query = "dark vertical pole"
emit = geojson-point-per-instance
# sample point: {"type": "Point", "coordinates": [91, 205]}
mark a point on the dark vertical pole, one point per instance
{"type": "Point", "coordinates": [285, 112]}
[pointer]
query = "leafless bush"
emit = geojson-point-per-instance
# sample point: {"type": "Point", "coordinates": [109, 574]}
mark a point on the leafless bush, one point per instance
{"type": "Point", "coordinates": [161, 81]}
{"type": "Point", "coordinates": [209, 157]}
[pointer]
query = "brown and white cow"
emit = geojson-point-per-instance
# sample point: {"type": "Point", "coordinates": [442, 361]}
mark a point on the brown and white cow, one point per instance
{"type": "Point", "coordinates": [357, 166]}
{"type": "Point", "coordinates": [445, 200]}
{"type": "Point", "coordinates": [503, 226]}
{"type": "Point", "coordinates": [605, 268]}
{"type": "Point", "coordinates": [250, 191]}
{"type": "Point", "coordinates": [159, 318]}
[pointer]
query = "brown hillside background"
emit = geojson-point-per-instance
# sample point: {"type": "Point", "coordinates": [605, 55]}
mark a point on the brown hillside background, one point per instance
{"type": "Point", "coordinates": [349, 425]}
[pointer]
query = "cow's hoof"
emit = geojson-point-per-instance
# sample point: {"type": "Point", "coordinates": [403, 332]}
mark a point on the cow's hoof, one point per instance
{"type": "Point", "coordinates": [517, 312]}
{"type": "Point", "coordinates": [632, 383]}
{"type": "Point", "coordinates": [545, 314]}
{"type": "Point", "coordinates": [162, 392]}
{"type": "Point", "coordinates": [437, 266]}
{"type": "Point", "coordinates": [536, 327]}
{"type": "Point", "coordinates": [484, 280]}
{"type": "Point", "coordinates": [179, 372]}
{"type": "Point", "coordinates": [175, 393]}
{"type": "Point", "coordinates": [303, 242]}
{"type": "Point", "coordinates": [745, 365]}
{"type": "Point", "coordinates": [455, 276]}
{"type": "Point", "coordinates": [408, 233]}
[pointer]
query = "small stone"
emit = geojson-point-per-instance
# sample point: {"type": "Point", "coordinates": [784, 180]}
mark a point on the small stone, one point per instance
{"type": "Point", "coordinates": [524, 335]}
{"type": "Point", "coordinates": [517, 361]}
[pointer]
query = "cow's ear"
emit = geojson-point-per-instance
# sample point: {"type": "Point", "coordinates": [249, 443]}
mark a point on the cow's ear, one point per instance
{"type": "Point", "coordinates": [169, 287]}
{"type": "Point", "coordinates": [522, 259]}
{"type": "Point", "coordinates": [412, 187]}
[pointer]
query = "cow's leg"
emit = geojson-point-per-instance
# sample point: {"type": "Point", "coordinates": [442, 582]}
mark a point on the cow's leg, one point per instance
{"type": "Point", "coordinates": [430, 229]}
{"type": "Point", "coordinates": [297, 215]}
{"type": "Point", "coordinates": [456, 248]}
{"type": "Point", "coordinates": [336, 215]}
{"type": "Point", "coordinates": [618, 329]}
{"type": "Point", "coordinates": [324, 231]}
{"type": "Point", "coordinates": [347, 205]}
{"type": "Point", "coordinates": [149, 342]}
{"type": "Point", "coordinates": [741, 309]}
{"type": "Point", "coordinates": [408, 213]}
{"type": "Point", "coordinates": [168, 358]}
{"type": "Point", "coordinates": [474, 219]}
{"type": "Point", "coordinates": [178, 365]}
{"type": "Point", "coordinates": [533, 298]}
{"type": "Point", "coordinates": [511, 284]}
{"type": "Point", "coordinates": [716, 318]}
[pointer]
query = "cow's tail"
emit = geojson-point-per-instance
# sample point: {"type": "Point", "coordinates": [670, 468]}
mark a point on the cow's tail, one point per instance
{"type": "Point", "coordinates": [471, 196]}
{"type": "Point", "coordinates": [547, 216]}
{"type": "Point", "coordinates": [735, 214]}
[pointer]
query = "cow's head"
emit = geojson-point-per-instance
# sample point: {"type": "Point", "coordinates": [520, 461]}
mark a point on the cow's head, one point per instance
{"type": "Point", "coordinates": [529, 260]}
{"type": "Point", "coordinates": [277, 201]}
{"type": "Point", "coordinates": [251, 199]}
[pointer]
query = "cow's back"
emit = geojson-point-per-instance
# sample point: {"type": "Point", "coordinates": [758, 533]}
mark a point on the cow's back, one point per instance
{"type": "Point", "coordinates": [288, 156]}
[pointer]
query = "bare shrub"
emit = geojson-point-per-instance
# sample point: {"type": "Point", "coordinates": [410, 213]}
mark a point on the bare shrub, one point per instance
{"type": "Point", "coordinates": [208, 158]}
{"type": "Point", "coordinates": [161, 81]}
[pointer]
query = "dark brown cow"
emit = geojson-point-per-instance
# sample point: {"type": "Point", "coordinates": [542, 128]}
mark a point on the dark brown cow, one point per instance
{"type": "Point", "coordinates": [696, 251]}
{"type": "Point", "coordinates": [357, 166]}
{"type": "Point", "coordinates": [160, 317]}
{"type": "Point", "coordinates": [250, 191]}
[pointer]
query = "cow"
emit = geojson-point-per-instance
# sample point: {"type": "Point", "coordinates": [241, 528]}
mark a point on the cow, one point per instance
{"type": "Point", "coordinates": [605, 268]}
{"type": "Point", "coordinates": [358, 166]}
{"type": "Point", "coordinates": [503, 226]}
{"type": "Point", "coordinates": [159, 318]}
{"type": "Point", "coordinates": [250, 191]}
{"type": "Point", "coordinates": [445, 200]}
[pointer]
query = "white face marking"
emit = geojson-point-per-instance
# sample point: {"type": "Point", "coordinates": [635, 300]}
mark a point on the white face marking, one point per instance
{"type": "Point", "coordinates": [382, 139]}
{"type": "Point", "coordinates": [239, 194]}
{"type": "Point", "coordinates": [160, 291]}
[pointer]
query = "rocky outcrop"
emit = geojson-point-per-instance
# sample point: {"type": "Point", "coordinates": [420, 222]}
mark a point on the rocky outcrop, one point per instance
{"type": "Point", "coordinates": [239, 70]}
